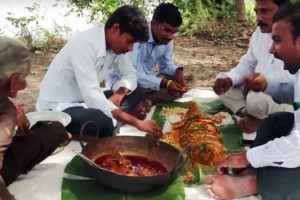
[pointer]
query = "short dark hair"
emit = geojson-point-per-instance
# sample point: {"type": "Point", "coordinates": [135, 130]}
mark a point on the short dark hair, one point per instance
{"type": "Point", "coordinates": [279, 3]}
{"type": "Point", "coordinates": [290, 12]}
{"type": "Point", "coordinates": [167, 12]}
{"type": "Point", "coordinates": [131, 20]}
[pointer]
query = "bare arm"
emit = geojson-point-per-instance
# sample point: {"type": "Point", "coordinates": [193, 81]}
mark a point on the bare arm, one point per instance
{"type": "Point", "coordinates": [118, 96]}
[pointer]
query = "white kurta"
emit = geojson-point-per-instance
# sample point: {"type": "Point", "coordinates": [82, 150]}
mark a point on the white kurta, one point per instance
{"type": "Point", "coordinates": [76, 72]}
{"type": "Point", "coordinates": [283, 151]}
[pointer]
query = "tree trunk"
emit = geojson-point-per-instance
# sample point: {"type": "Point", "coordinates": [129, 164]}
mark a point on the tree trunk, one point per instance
{"type": "Point", "coordinates": [240, 10]}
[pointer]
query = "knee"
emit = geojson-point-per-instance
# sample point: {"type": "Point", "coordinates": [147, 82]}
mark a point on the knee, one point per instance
{"type": "Point", "coordinates": [53, 133]}
{"type": "Point", "coordinates": [259, 104]}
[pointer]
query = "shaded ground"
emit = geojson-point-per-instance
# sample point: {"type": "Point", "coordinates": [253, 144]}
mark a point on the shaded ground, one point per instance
{"type": "Point", "coordinates": [204, 59]}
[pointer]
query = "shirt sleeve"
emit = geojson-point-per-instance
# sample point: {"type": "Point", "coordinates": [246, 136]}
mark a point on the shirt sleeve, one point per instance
{"type": "Point", "coordinates": [137, 57]}
{"type": "Point", "coordinates": [166, 63]}
{"type": "Point", "coordinates": [276, 79]}
{"type": "Point", "coordinates": [246, 64]}
{"type": "Point", "coordinates": [128, 75]}
{"type": "Point", "coordinates": [82, 59]}
{"type": "Point", "coordinates": [281, 152]}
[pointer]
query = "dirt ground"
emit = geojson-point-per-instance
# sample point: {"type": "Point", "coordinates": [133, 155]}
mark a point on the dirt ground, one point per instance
{"type": "Point", "coordinates": [204, 59]}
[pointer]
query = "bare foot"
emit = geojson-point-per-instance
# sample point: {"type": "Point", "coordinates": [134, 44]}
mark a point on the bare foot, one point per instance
{"type": "Point", "coordinates": [230, 186]}
{"type": "Point", "coordinates": [249, 124]}
{"type": "Point", "coordinates": [142, 109]}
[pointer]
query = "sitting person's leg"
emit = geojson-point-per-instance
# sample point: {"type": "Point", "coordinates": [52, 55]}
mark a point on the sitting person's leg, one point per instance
{"type": "Point", "coordinates": [234, 100]}
{"type": "Point", "coordinates": [231, 186]}
{"type": "Point", "coordinates": [274, 126]}
{"type": "Point", "coordinates": [276, 183]}
{"type": "Point", "coordinates": [258, 106]}
{"type": "Point", "coordinates": [80, 116]}
{"type": "Point", "coordinates": [27, 151]}
{"type": "Point", "coordinates": [265, 181]}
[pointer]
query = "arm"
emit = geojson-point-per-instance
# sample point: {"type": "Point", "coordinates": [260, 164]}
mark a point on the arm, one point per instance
{"type": "Point", "coordinates": [279, 82]}
{"type": "Point", "coordinates": [126, 73]}
{"type": "Point", "coordinates": [140, 57]}
{"type": "Point", "coordinates": [22, 121]}
{"type": "Point", "coordinates": [83, 58]}
{"type": "Point", "coordinates": [281, 152]}
{"type": "Point", "coordinates": [8, 123]}
{"type": "Point", "coordinates": [118, 96]}
{"type": "Point", "coordinates": [147, 125]}
{"type": "Point", "coordinates": [246, 64]}
{"type": "Point", "coordinates": [166, 63]}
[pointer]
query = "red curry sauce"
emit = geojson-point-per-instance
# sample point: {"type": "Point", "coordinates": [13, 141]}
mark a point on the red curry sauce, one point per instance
{"type": "Point", "coordinates": [130, 165]}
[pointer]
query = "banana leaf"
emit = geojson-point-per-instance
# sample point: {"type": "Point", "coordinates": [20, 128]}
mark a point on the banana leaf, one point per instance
{"type": "Point", "coordinates": [78, 184]}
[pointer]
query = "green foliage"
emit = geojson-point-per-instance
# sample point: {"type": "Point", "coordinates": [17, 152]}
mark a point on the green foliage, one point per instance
{"type": "Point", "coordinates": [250, 14]}
{"type": "Point", "coordinates": [23, 23]}
{"type": "Point", "coordinates": [100, 9]}
{"type": "Point", "coordinates": [202, 17]}
{"type": "Point", "coordinates": [35, 36]}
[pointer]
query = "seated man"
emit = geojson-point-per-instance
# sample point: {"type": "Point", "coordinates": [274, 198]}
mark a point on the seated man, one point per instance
{"type": "Point", "coordinates": [275, 153]}
{"type": "Point", "coordinates": [20, 153]}
{"type": "Point", "coordinates": [72, 82]}
{"type": "Point", "coordinates": [159, 79]}
{"type": "Point", "coordinates": [255, 67]}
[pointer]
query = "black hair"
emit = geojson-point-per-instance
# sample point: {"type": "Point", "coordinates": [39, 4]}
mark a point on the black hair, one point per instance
{"type": "Point", "coordinates": [279, 3]}
{"type": "Point", "coordinates": [290, 12]}
{"type": "Point", "coordinates": [167, 12]}
{"type": "Point", "coordinates": [131, 20]}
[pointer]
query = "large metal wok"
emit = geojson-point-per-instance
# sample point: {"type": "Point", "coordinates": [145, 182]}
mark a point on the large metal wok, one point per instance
{"type": "Point", "coordinates": [170, 157]}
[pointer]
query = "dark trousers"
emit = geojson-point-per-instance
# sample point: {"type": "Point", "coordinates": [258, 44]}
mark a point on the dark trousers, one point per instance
{"type": "Point", "coordinates": [104, 125]}
{"type": "Point", "coordinates": [26, 151]}
{"type": "Point", "coordinates": [277, 183]}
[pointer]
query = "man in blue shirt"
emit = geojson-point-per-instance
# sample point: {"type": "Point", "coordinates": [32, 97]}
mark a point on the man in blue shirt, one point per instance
{"type": "Point", "coordinates": [159, 80]}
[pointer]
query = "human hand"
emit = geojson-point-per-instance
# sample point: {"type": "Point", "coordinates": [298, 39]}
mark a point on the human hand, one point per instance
{"type": "Point", "coordinates": [255, 82]}
{"type": "Point", "coordinates": [150, 126]}
{"type": "Point", "coordinates": [22, 121]}
{"type": "Point", "coordinates": [179, 78]}
{"type": "Point", "coordinates": [222, 85]}
{"type": "Point", "coordinates": [238, 160]}
{"type": "Point", "coordinates": [175, 88]}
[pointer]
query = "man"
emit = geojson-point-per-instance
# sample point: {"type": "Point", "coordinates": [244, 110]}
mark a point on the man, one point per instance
{"type": "Point", "coordinates": [20, 153]}
{"type": "Point", "coordinates": [275, 153]}
{"type": "Point", "coordinates": [72, 82]}
{"type": "Point", "coordinates": [166, 82]}
{"type": "Point", "coordinates": [238, 88]}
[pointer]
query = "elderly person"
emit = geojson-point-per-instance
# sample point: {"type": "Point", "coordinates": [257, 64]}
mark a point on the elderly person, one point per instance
{"type": "Point", "coordinates": [20, 148]}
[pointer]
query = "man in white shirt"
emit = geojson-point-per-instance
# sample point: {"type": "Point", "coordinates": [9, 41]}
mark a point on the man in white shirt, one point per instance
{"type": "Point", "coordinates": [72, 82]}
{"type": "Point", "coordinates": [159, 79]}
{"type": "Point", "coordinates": [256, 65]}
{"type": "Point", "coordinates": [275, 155]}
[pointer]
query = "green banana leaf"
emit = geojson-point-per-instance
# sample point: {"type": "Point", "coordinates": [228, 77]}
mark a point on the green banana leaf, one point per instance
{"type": "Point", "coordinates": [82, 189]}
{"type": "Point", "coordinates": [231, 134]}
